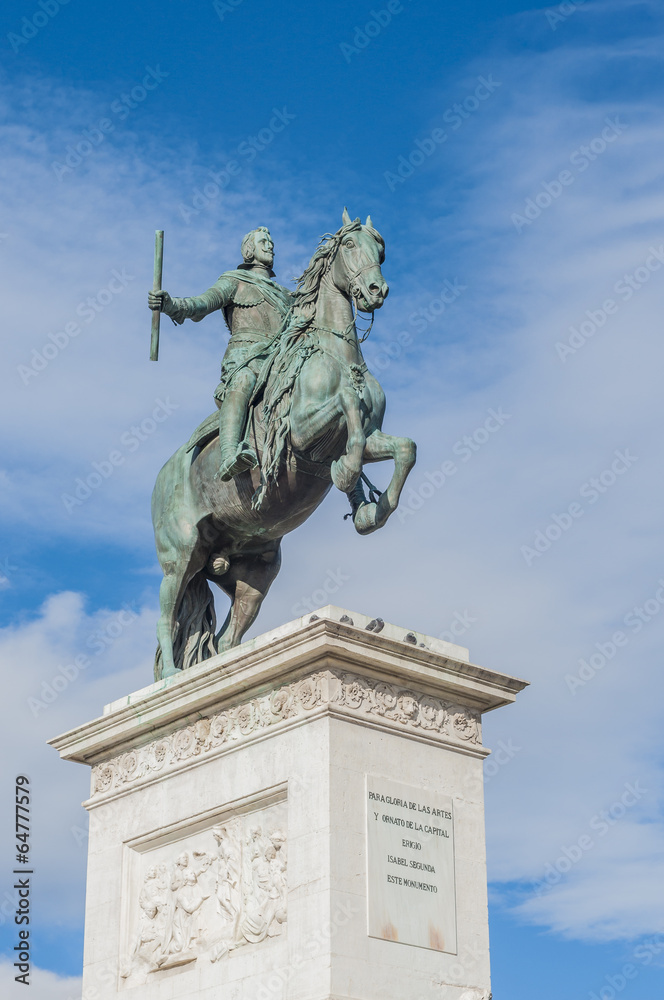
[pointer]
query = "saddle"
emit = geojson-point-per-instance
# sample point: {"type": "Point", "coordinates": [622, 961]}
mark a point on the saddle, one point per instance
{"type": "Point", "coordinates": [205, 431]}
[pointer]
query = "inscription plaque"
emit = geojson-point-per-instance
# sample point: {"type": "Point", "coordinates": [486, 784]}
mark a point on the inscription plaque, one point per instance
{"type": "Point", "coordinates": [410, 865]}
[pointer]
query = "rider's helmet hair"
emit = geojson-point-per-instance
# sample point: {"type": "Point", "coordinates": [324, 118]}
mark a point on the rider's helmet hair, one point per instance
{"type": "Point", "coordinates": [247, 248]}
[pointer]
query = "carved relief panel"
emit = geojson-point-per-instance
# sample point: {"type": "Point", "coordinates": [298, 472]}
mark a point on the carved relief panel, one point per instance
{"type": "Point", "coordinates": [200, 897]}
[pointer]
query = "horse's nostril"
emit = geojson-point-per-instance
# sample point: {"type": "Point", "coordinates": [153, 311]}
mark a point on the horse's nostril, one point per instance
{"type": "Point", "coordinates": [374, 289]}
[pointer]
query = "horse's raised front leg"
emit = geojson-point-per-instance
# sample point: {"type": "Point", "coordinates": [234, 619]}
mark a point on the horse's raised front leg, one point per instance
{"type": "Point", "coordinates": [346, 470]}
{"type": "Point", "coordinates": [315, 423]}
{"type": "Point", "coordinates": [380, 447]}
{"type": "Point", "coordinates": [246, 582]}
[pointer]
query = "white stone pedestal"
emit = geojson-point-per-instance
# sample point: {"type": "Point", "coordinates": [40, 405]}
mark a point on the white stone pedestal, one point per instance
{"type": "Point", "coordinates": [300, 818]}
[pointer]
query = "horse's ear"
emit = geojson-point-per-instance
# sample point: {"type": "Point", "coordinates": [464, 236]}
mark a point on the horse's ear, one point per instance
{"type": "Point", "coordinates": [369, 224]}
{"type": "Point", "coordinates": [345, 218]}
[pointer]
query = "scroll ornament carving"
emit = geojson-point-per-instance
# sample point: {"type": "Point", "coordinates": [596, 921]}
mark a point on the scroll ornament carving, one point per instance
{"type": "Point", "coordinates": [207, 903]}
{"type": "Point", "coordinates": [405, 709]}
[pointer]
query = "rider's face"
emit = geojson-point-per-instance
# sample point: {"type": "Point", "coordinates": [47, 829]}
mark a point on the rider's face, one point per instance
{"type": "Point", "coordinates": [263, 250]}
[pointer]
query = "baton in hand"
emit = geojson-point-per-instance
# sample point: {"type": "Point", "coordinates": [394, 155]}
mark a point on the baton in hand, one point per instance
{"type": "Point", "coordinates": [156, 286]}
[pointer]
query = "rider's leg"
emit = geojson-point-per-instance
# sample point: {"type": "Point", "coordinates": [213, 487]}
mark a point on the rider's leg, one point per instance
{"type": "Point", "coordinates": [236, 455]}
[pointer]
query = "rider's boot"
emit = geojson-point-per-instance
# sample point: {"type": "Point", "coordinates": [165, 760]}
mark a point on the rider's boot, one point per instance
{"type": "Point", "coordinates": [236, 454]}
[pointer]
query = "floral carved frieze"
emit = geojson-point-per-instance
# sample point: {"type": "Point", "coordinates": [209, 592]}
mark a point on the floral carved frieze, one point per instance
{"type": "Point", "coordinates": [344, 692]}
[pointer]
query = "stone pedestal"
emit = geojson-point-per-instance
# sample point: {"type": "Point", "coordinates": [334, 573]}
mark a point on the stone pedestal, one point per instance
{"type": "Point", "coordinates": [300, 818]}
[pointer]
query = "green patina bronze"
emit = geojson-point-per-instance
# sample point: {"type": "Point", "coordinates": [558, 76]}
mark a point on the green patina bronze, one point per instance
{"type": "Point", "coordinates": [298, 412]}
{"type": "Point", "coordinates": [254, 308]}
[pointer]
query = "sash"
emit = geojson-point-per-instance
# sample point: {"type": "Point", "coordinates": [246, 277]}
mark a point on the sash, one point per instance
{"type": "Point", "coordinates": [276, 295]}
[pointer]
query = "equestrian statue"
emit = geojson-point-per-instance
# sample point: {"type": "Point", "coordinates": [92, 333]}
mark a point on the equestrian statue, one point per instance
{"type": "Point", "coordinates": [297, 412]}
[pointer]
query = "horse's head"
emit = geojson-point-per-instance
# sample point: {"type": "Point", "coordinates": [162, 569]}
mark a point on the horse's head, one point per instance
{"type": "Point", "coordinates": [355, 269]}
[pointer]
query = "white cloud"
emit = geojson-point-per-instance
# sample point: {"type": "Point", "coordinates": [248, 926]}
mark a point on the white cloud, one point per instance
{"type": "Point", "coordinates": [44, 985]}
{"type": "Point", "coordinates": [69, 239]}
{"type": "Point", "coordinates": [578, 752]}
{"type": "Point", "coordinates": [65, 665]}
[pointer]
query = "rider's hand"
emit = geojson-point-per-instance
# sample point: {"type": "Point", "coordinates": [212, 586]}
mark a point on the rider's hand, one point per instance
{"type": "Point", "coordinates": [160, 300]}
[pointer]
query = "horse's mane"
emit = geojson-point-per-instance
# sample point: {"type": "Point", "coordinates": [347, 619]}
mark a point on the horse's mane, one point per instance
{"type": "Point", "coordinates": [293, 351]}
{"type": "Point", "coordinates": [306, 292]}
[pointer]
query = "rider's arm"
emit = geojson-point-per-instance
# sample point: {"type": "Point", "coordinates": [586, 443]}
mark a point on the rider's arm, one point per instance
{"type": "Point", "coordinates": [197, 306]}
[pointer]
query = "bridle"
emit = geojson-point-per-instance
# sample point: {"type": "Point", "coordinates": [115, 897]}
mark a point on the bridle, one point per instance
{"type": "Point", "coordinates": [352, 278]}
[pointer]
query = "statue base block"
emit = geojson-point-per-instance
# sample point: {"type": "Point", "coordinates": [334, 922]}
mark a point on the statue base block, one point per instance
{"type": "Point", "coordinates": [300, 818]}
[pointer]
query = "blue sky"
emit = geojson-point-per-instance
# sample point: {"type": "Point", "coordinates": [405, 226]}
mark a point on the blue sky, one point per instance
{"type": "Point", "coordinates": [530, 147]}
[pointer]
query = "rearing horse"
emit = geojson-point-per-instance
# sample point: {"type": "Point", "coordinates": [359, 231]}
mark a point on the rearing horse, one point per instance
{"type": "Point", "coordinates": [315, 421]}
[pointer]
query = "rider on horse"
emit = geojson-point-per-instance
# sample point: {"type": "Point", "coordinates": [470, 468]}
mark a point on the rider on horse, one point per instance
{"type": "Point", "coordinates": [254, 308]}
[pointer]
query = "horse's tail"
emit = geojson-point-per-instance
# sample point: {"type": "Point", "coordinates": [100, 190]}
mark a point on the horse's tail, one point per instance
{"type": "Point", "coordinates": [194, 639]}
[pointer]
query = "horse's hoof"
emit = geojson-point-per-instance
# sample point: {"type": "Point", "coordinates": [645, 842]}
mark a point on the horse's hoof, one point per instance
{"type": "Point", "coordinates": [372, 516]}
{"type": "Point", "coordinates": [365, 519]}
{"type": "Point", "coordinates": [344, 477]}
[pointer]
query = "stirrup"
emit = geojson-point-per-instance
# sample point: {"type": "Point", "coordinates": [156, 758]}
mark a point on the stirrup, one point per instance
{"type": "Point", "coordinates": [245, 458]}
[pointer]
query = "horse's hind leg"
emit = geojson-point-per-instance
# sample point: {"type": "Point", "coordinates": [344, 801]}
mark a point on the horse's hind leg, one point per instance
{"type": "Point", "coordinates": [379, 447]}
{"type": "Point", "coordinates": [170, 595]}
{"type": "Point", "coordinates": [179, 569]}
{"type": "Point", "coordinates": [247, 582]}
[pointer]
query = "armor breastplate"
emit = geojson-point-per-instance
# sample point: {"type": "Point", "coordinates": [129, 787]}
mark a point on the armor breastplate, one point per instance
{"type": "Point", "coordinates": [250, 315]}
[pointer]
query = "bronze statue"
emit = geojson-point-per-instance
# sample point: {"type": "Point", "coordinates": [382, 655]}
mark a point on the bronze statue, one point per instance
{"type": "Point", "coordinates": [313, 414]}
{"type": "Point", "coordinates": [254, 309]}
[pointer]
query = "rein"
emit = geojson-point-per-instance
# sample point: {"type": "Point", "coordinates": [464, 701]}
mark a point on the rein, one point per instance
{"type": "Point", "coordinates": [365, 333]}
{"type": "Point", "coordinates": [337, 238]}
{"type": "Point", "coordinates": [356, 274]}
